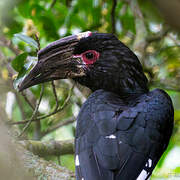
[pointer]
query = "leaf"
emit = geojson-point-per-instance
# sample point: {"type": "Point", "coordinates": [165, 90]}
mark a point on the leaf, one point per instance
{"type": "Point", "coordinates": [27, 40]}
{"type": "Point", "coordinates": [19, 61]}
{"type": "Point", "coordinates": [128, 21]}
{"type": "Point", "coordinates": [25, 68]}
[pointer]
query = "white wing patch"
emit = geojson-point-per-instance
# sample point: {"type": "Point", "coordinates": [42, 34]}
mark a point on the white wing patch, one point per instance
{"type": "Point", "coordinates": [77, 160]}
{"type": "Point", "coordinates": [149, 163]}
{"type": "Point", "coordinates": [144, 174]}
{"type": "Point", "coordinates": [112, 136]}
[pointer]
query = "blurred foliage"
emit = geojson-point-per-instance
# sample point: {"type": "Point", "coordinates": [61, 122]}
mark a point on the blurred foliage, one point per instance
{"type": "Point", "coordinates": [137, 24]}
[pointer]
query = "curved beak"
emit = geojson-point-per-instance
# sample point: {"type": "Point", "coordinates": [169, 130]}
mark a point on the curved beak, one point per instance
{"type": "Point", "coordinates": [56, 61]}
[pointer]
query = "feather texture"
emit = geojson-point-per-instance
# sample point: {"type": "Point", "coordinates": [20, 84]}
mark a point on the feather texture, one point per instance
{"type": "Point", "coordinates": [116, 140]}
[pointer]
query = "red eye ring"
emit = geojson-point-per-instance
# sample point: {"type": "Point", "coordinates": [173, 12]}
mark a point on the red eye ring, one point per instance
{"type": "Point", "coordinates": [90, 56]}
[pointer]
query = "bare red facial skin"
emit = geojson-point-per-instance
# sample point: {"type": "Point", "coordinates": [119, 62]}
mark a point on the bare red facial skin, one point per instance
{"type": "Point", "coordinates": [89, 57]}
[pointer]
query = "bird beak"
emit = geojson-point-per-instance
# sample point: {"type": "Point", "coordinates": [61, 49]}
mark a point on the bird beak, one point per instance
{"type": "Point", "coordinates": [56, 61]}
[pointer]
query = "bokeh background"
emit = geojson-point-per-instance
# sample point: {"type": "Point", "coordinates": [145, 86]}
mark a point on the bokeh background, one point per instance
{"type": "Point", "coordinates": [149, 28]}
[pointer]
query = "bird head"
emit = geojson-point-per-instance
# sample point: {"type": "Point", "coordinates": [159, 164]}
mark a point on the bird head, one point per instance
{"type": "Point", "coordinates": [96, 60]}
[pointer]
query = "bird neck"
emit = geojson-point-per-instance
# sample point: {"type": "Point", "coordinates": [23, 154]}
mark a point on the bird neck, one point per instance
{"type": "Point", "coordinates": [125, 87]}
{"type": "Point", "coordinates": [126, 82]}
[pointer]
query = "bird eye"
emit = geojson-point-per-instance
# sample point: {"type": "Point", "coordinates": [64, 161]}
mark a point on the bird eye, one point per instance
{"type": "Point", "coordinates": [89, 55]}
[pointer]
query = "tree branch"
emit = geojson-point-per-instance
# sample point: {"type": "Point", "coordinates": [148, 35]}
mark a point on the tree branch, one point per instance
{"type": "Point", "coordinates": [55, 95]}
{"type": "Point", "coordinates": [141, 32]}
{"type": "Point", "coordinates": [38, 42]}
{"type": "Point", "coordinates": [42, 168]}
{"type": "Point", "coordinates": [52, 113]}
{"type": "Point", "coordinates": [25, 165]}
{"type": "Point", "coordinates": [49, 148]}
{"type": "Point", "coordinates": [35, 111]}
{"type": "Point", "coordinates": [27, 100]}
{"type": "Point", "coordinates": [113, 15]}
{"type": "Point", "coordinates": [58, 125]}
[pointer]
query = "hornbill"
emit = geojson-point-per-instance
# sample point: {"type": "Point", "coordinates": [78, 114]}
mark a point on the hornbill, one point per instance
{"type": "Point", "coordinates": [122, 128]}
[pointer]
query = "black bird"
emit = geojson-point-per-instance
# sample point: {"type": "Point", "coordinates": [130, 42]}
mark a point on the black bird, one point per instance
{"type": "Point", "coordinates": [122, 128]}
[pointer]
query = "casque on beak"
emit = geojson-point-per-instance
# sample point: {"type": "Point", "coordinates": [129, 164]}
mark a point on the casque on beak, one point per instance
{"type": "Point", "coordinates": [56, 62]}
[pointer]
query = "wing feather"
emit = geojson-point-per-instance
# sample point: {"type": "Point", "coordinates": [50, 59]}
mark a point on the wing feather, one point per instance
{"type": "Point", "coordinates": [122, 141]}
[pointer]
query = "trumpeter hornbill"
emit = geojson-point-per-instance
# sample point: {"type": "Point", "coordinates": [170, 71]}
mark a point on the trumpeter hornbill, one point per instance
{"type": "Point", "coordinates": [122, 128]}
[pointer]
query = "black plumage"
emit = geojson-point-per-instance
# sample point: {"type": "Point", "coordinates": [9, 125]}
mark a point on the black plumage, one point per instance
{"type": "Point", "coordinates": [117, 139]}
{"type": "Point", "coordinates": [122, 128]}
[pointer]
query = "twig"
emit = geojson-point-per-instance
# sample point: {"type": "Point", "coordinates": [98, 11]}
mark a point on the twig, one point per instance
{"type": "Point", "coordinates": [11, 73]}
{"type": "Point", "coordinates": [58, 125]}
{"type": "Point", "coordinates": [55, 95]}
{"type": "Point", "coordinates": [61, 108]}
{"type": "Point", "coordinates": [35, 111]}
{"type": "Point", "coordinates": [52, 113]}
{"type": "Point", "coordinates": [38, 42]}
{"type": "Point", "coordinates": [141, 31]}
{"type": "Point", "coordinates": [27, 100]}
{"type": "Point", "coordinates": [113, 19]}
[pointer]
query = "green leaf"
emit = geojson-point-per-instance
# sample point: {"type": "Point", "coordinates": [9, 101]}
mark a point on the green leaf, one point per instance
{"type": "Point", "coordinates": [128, 21]}
{"type": "Point", "coordinates": [27, 40]}
{"type": "Point", "coordinates": [18, 62]}
{"type": "Point", "coordinates": [24, 70]}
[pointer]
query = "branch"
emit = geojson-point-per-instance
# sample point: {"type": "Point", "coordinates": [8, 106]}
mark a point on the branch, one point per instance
{"type": "Point", "coordinates": [113, 19]}
{"type": "Point", "coordinates": [18, 163]}
{"type": "Point", "coordinates": [139, 43]}
{"type": "Point", "coordinates": [35, 111]}
{"type": "Point", "coordinates": [27, 100]}
{"type": "Point", "coordinates": [58, 125]}
{"type": "Point", "coordinates": [55, 95]}
{"type": "Point", "coordinates": [11, 72]}
{"type": "Point", "coordinates": [52, 113]}
{"type": "Point", "coordinates": [38, 42]}
{"type": "Point", "coordinates": [61, 108]}
{"type": "Point", "coordinates": [49, 148]}
{"type": "Point", "coordinates": [42, 168]}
